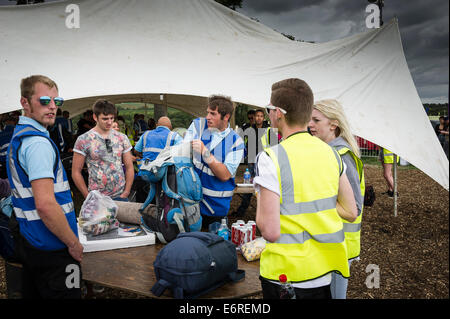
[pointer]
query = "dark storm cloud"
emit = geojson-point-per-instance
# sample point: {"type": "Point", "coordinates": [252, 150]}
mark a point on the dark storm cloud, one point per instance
{"type": "Point", "coordinates": [424, 28]}
{"type": "Point", "coordinates": [339, 8]}
{"type": "Point", "coordinates": [279, 6]}
{"type": "Point", "coordinates": [416, 12]}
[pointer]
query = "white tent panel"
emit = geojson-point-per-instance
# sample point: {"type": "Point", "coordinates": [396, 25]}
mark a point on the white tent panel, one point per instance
{"type": "Point", "coordinates": [189, 49]}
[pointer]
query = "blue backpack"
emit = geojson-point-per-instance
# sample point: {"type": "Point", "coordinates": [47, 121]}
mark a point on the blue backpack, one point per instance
{"type": "Point", "coordinates": [176, 188]}
{"type": "Point", "coordinates": [194, 264]}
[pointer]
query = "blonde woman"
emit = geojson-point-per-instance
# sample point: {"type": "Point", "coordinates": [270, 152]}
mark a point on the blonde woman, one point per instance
{"type": "Point", "coordinates": [328, 122]}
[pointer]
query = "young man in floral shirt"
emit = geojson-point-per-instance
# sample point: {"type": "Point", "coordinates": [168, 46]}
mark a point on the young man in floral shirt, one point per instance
{"type": "Point", "coordinates": [104, 150]}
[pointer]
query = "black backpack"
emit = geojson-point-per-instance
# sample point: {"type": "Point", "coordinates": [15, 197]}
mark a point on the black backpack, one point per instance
{"type": "Point", "coordinates": [6, 238]}
{"type": "Point", "coordinates": [156, 217]}
{"type": "Point", "coordinates": [194, 264]}
{"type": "Point", "coordinates": [9, 229]}
{"type": "Point", "coordinates": [369, 196]}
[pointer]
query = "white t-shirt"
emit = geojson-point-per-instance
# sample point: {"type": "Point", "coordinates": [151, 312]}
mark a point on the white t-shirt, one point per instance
{"type": "Point", "coordinates": [266, 176]}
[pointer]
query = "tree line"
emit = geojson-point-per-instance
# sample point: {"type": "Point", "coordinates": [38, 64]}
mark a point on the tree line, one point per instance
{"type": "Point", "coordinates": [434, 109]}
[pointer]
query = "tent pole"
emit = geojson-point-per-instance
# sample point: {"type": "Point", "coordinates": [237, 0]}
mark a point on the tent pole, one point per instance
{"type": "Point", "coordinates": [395, 185]}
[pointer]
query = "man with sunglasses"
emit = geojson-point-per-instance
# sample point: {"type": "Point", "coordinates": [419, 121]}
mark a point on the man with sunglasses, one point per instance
{"type": "Point", "coordinates": [104, 150]}
{"type": "Point", "coordinates": [47, 242]}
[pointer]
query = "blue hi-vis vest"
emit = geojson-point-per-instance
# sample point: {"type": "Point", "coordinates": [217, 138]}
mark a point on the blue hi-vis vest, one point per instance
{"type": "Point", "coordinates": [155, 141]}
{"type": "Point", "coordinates": [216, 194]}
{"type": "Point", "coordinates": [30, 223]}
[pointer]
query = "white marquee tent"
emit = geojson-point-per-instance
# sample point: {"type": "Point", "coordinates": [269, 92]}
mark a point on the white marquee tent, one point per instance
{"type": "Point", "coordinates": [133, 51]}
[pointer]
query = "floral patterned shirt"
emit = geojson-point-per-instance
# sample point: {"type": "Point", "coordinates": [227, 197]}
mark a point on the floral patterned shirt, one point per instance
{"type": "Point", "coordinates": [104, 161]}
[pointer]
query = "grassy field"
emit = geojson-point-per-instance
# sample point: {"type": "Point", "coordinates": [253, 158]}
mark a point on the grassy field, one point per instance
{"type": "Point", "coordinates": [178, 118]}
{"type": "Point", "coordinates": [374, 161]}
{"type": "Point", "coordinates": [127, 110]}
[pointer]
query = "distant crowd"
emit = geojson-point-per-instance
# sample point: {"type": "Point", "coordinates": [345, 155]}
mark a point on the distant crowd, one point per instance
{"type": "Point", "coordinates": [441, 130]}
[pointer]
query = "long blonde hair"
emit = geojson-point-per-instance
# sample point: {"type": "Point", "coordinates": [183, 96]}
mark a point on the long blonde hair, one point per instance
{"type": "Point", "coordinates": [333, 110]}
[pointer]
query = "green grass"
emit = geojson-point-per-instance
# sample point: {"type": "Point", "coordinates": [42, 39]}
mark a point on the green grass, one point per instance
{"type": "Point", "coordinates": [127, 110]}
{"type": "Point", "coordinates": [371, 161]}
{"type": "Point", "coordinates": [376, 162]}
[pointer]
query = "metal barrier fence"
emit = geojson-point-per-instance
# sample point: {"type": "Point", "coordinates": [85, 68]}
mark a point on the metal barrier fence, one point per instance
{"type": "Point", "coordinates": [367, 148]}
{"type": "Point", "coordinates": [365, 152]}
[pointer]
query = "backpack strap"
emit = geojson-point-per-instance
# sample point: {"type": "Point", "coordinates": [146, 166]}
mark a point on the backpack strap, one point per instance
{"type": "Point", "coordinates": [176, 214]}
{"type": "Point", "coordinates": [237, 275]}
{"type": "Point", "coordinates": [183, 210]}
{"type": "Point", "coordinates": [161, 237]}
{"type": "Point", "coordinates": [161, 285]}
{"type": "Point", "coordinates": [208, 206]}
{"type": "Point", "coordinates": [150, 196]}
{"type": "Point", "coordinates": [167, 190]}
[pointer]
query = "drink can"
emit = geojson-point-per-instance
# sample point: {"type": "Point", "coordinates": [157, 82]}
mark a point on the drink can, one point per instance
{"type": "Point", "coordinates": [240, 222]}
{"type": "Point", "coordinates": [234, 234]}
{"type": "Point", "coordinates": [249, 230]}
{"type": "Point", "coordinates": [238, 235]}
{"type": "Point", "coordinates": [253, 224]}
{"type": "Point", "coordinates": [243, 237]}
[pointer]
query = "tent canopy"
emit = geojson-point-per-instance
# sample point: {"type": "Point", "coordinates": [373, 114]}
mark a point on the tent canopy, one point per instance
{"type": "Point", "coordinates": [135, 50]}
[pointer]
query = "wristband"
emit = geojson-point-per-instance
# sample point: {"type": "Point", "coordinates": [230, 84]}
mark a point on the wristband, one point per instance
{"type": "Point", "coordinates": [207, 156]}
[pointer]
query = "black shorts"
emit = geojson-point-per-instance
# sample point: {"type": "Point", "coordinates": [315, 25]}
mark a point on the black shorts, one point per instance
{"type": "Point", "coordinates": [272, 291]}
{"type": "Point", "coordinates": [51, 274]}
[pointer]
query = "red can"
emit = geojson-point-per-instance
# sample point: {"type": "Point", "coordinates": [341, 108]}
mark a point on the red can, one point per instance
{"type": "Point", "coordinates": [253, 224]}
{"type": "Point", "coordinates": [234, 234]}
{"type": "Point", "coordinates": [238, 235]}
{"type": "Point", "coordinates": [243, 235]}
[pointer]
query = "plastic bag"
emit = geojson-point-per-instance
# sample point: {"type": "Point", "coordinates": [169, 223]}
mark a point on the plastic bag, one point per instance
{"type": "Point", "coordinates": [253, 249]}
{"type": "Point", "coordinates": [98, 214]}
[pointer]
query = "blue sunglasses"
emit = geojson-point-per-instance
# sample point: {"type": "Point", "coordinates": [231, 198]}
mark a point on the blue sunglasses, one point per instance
{"type": "Point", "coordinates": [45, 100]}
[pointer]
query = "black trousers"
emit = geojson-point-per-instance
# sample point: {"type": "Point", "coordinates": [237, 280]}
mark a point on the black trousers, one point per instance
{"type": "Point", "coordinates": [142, 188]}
{"type": "Point", "coordinates": [48, 274]}
{"type": "Point", "coordinates": [272, 291]}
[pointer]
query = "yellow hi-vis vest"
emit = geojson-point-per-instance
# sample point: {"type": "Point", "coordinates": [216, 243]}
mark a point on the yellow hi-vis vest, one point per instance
{"type": "Point", "coordinates": [270, 137]}
{"type": "Point", "coordinates": [311, 242]}
{"type": "Point", "coordinates": [129, 133]}
{"type": "Point", "coordinates": [353, 230]}
{"type": "Point", "coordinates": [388, 157]}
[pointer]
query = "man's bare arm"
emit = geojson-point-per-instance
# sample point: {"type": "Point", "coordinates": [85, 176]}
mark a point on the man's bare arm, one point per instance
{"type": "Point", "coordinates": [77, 167]}
{"type": "Point", "coordinates": [53, 217]}
{"type": "Point", "coordinates": [268, 214]}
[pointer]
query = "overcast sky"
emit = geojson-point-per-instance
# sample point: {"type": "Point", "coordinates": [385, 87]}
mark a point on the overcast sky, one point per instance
{"type": "Point", "coordinates": [424, 28]}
